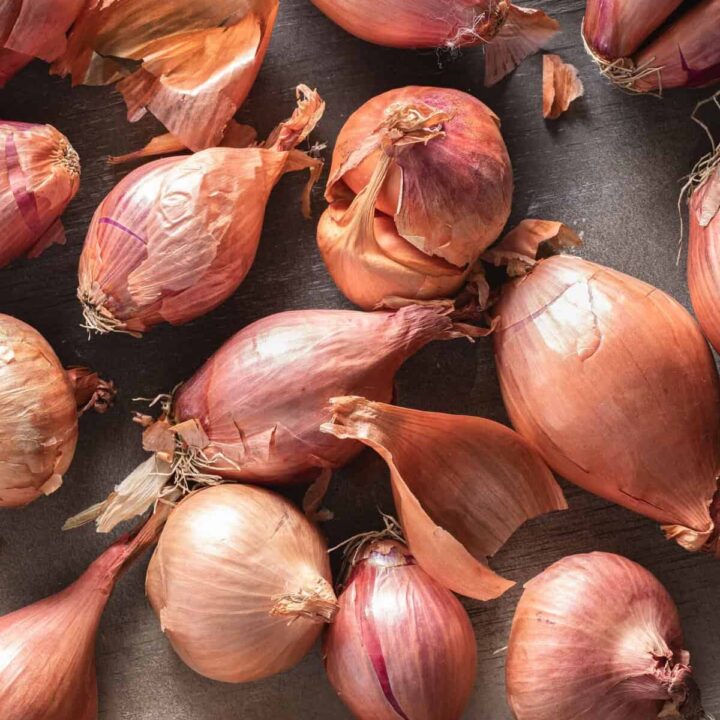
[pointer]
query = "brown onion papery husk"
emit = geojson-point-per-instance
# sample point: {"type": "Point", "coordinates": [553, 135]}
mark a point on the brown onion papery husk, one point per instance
{"type": "Point", "coordinates": [47, 649]}
{"type": "Point", "coordinates": [687, 54]}
{"type": "Point", "coordinates": [253, 411]}
{"type": "Point", "coordinates": [560, 85]}
{"type": "Point", "coordinates": [507, 32]}
{"type": "Point", "coordinates": [39, 176]}
{"type": "Point", "coordinates": [704, 254]}
{"type": "Point", "coordinates": [39, 406]}
{"type": "Point", "coordinates": [420, 185]}
{"type": "Point", "coordinates": [615, 29]}
{"type": "Point", "coordinates": [582, 353]}
{"type": "Point", "coordinates": [401, 645]}
{"type": "Point", "coordinates": [241, 583]}
{"type": "Point", "coordinates": [197, 60]}
{"type": "Point", "coordinates": [176, 237]}
{"type": "Point", "coordinates": [496, 478]}
{"type": "Point", "coordinates": [597, 636]}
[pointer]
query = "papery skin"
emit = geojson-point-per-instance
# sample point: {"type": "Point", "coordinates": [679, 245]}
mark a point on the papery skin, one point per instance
{"type": "Point", "coordinates": [704, 256]}
{"type": "Point", "coordinates": [443, 201]}
{"type": "Point", "coordinates": [508, 33]}
{"type": "Point", "coordinates": [401, 645]}
{"type": "Point", "coordinates": [561, 85]}
{"type": "Point", "coordinates": [582, 353]}
{"type": "Point", "coordinates": [225, 557]}
{"type": "Point", "coordinates": [595, 636]}
{"type": "Point", "coordinates": [39, 176]}
{"type": "Point", "coordinates": [615, 29]}
{"type": "Point", "coordinates": [198, 59]}
{"type": "Point", "coordinates": [492, 482]}
{"type": "Point", "coordinates": [47, 663]}
{"type": "Point", "coordinates": [687, 53]}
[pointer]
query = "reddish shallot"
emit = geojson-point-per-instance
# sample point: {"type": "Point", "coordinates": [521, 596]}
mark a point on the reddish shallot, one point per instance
{"type": "Point", "coordinates": [176, 237]}
{"type": "Point", "coordinates": [507, 33]}
{"type": "Point", "coordinates": [39, 176]}
{"type": "Point", "coordinates": [253, 411]}
{"type": "Point", "coordinates": [582, 352]}
{"type": "Point", "coordinates": [597, 636]}
{"type": "Point", "coordinates": [489, 471]}
{"type": "Point", "coordinates": [40, 403]}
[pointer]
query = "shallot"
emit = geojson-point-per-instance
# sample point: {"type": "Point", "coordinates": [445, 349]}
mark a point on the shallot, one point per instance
{"type": "Point", "coordinates": [40, 403]}
{"type": "Point", "coordinates": [597, 636]}
{"type": "Point", "coordinates": [39, 176]}
{"type": "Point", "coordinates": [240, 581]}
{"type": "Point", "coordinates": [420, 185]}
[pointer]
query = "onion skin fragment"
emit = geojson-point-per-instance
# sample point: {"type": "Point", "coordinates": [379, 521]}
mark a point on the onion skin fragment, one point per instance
{"type": "Point", "coordinates": [489, 471]}
{"type": "Point", "coordinates": [39, 176]}
{"type": "Point", "coordinates": [241, 583]}
{"type": "Point", "coordinates": [598, 636]}
{"type": "Point", "coordinates": [401, 645]}
{"type": "Point", "coordinates": [560, 84]}
{"type": "Point", "coordinates": [704, 255]}
{"type": "Point", "coordinates": [582, 352]}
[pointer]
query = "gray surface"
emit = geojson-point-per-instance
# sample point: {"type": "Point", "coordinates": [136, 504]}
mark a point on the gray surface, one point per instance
{"type": "Point", "coordinates": [609, 167]}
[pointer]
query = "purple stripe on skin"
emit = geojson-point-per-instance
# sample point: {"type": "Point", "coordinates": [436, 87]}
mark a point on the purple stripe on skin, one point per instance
{"type": "Point", "coordinates": [24, 199]}
{"type": "Point", "coordinates": [698, 78]}
{"type": "Point", "coordinates": [120, 226]}
{"type": "Point", "coordinates": [371, 640]}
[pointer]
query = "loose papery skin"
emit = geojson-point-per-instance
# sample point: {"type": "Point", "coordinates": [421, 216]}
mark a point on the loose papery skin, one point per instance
{"type": "Point", "coordinates": [597, 636]}
{"type": "Point", "coordinates": [47, 663]}
{"type": "Point", "coordinates": [561, 85]}
{"type": "Point", "coordinates": [462, 485]}
{"type": "Point", "coordinates": [191, 63]}
{"type": "Point", "coordinates": [39, 406]}
{"type": "Point", "coordinates": [582, 352]}
{"type": "Point", "coordinates": [176, 237]}
{"type": "Point", "coordinates": [241, 583]}
{"type": "Point", "coordinates": [401, 645]}
{"type": "Point", "coordinates": [253, 411]}
{"type": "Point", "coordinates": [420, 185]}
{"type": "Point", "coordinates": [507, 32]}
{"type": "Point", "coordinates": [39, 176]}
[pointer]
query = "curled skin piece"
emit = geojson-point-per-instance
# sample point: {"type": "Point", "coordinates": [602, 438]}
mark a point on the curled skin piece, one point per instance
{"type": "Point", "coordinates": [496, 478]}
{"type": "Point", "coordinates": [39, 176]}
{"type": "Point", "coordinates": [191, 63]}
{"type": "Point", "coordinates": [561, 85]}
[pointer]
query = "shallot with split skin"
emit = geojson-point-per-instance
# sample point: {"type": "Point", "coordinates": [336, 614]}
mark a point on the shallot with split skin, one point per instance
{"type": "Point", "coordinates": [240, 581]}
{"type": "Point", "coordinates": [253, 411]}
{"type": "Point", "coordinates": [582, 352]}
{"type": "Point", "coordinates": [597, 636]}
{"type": "Point", "coordinates": [420, 185]}
{"type": "Point", "coordinates": [176, 237]}
{"type": "Point", "coordinates": [40, 402]}
{"type": "Point", "coordinates": [39, 176]}
{"type": "Point", "coordinates": [508, 33]}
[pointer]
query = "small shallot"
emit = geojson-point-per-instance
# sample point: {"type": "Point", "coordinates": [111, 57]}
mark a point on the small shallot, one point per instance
{"type": "Point", "coordinates": [253, 411]}
{"type": "Point", "coordinates": [597, 636]}
{"type": "Point", "coordinates": [420, 185]}
{"type": "Point", "coordinates": [176, 237]}
{"type": "Point", "coordinates": [462, 485]}
{"type": "Point", "coordinates": [241, 583]}
{"type": "Point", "coordinates": [39, 176]}
{"type": "Point", "coordinates": [401, 646]}
{"type": "Point", "coordinates": [40, 403]}
{"type": "Point", "coordinates": [508, 33]}
{"type": "Point", "coordinates": [583, 352]}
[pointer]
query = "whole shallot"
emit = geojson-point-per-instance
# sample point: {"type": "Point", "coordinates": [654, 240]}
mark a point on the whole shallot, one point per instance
{"type": "Point", "coordinates": [508, 33]}
{"type": "Point", "coordinates": [420, 185]}
{"type": "Point", "coordinates": [597, 636]}
{"type": "Point", "coordinates": [253, 411]}
{"type": "Point", "coordinates": [241, 583]}
{"type": "Point", "coordinates": [583, 352]}
{"type": "Point", "coordinates": [401, 645]}
{"type": "Point", "coordinates": [39, 176]}
{"type": "Point", "coordinates": [176, 237]}
{"type": "Point", "coordinates": [40, 403]}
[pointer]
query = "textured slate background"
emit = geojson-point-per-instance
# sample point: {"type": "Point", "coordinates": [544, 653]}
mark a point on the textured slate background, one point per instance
{"type": "Point", "coordinates": [610, 167]}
